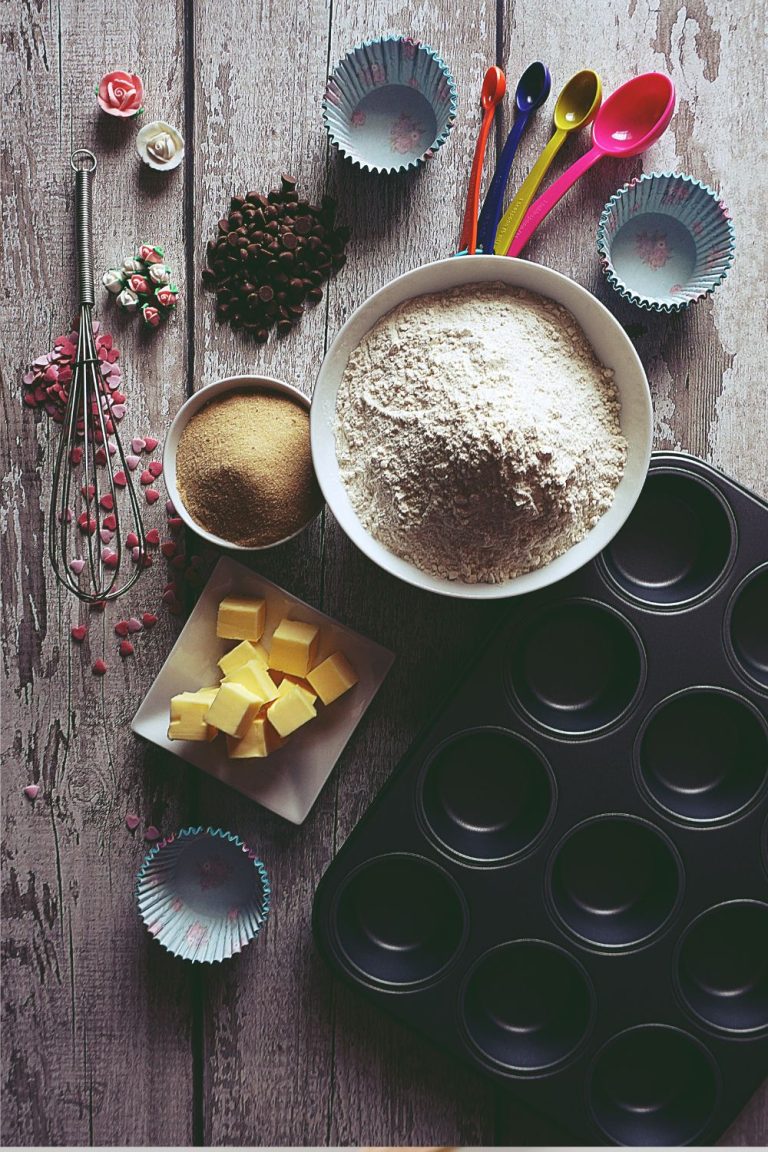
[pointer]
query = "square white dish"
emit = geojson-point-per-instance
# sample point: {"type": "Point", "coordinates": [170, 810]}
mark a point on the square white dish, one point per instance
{"type": "Point", "coordinates": [289, 781]}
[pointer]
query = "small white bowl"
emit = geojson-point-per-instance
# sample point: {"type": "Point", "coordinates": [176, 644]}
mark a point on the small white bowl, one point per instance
{"type": "Point", "coordinates": [612, 347]}
{"type": "Point", "coordinates": [182, 418]}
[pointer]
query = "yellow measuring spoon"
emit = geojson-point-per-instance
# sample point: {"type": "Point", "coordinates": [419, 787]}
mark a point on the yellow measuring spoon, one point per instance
{"type": "Point", "coordinates": [576, 106]}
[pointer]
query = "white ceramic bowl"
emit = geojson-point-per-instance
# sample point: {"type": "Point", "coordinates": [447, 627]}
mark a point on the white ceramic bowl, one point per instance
{"type": "Point", "coordinates": [612, 347]}
{"type": "Point", "coordinates": [182, 418]}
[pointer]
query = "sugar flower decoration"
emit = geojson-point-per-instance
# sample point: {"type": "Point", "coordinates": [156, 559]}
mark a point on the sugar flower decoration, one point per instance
{"type": "Point", "coordinates": [120, 94]}
{"type": "Point", "coordinates": [160, 145]}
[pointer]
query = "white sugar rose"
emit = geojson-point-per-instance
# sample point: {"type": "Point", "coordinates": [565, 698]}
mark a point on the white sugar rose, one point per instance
{"type": "Point", "coordinates": [128, 300]}
{"type": "Point", "coordinates": [113, 280]}
{"type": "Point", "coordinates": [160, 145]}
{"type": "Point", "coordinates": [159, 274]}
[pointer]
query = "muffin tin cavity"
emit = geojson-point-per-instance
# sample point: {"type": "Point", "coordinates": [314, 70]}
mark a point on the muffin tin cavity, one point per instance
{"type": "Point", "coordinates": [614, 881]}
{"type": "Point", "coordinates": [400, 920]}
{"type": "Point", "coordinates": [487, 795]}
{"type": "Point", "coordinates": [722, 967]}
{"type": "Point", "coordinates": [526, 1006]}
{"type": "Point", "coordinates": [653, 1085]}
{"type": "Point", "coordinates": [703, 755]}
{"type": "Point", "coordinates": [576, 667]}
{"type": "Point", "coordinates": [675, 546]}
{"type": "Point", "coordinates": [747, 628]}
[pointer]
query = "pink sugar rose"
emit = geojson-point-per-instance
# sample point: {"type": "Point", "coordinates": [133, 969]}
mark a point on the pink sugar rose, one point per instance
{"type": "Point", "coordinates": [166, 296]}
{"type": "Point", "coordinates": [150, 315]}
{"type": "Point", "coordinates": [150, 254]}
{"type": "Point", "coordinates": [120, 94]}
{"type": "Point", "coordinates": [139, 284]}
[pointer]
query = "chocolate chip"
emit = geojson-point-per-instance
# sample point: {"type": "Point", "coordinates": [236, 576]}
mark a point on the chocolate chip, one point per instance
{"type": "Point", "coordinates": [266, 292]}
{"type": "Point", "coordinates": [303, 226]}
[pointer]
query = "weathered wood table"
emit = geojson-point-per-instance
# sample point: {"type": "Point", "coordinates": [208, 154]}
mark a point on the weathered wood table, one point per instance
{"type": "Point", "coordinates": [107, 1039]}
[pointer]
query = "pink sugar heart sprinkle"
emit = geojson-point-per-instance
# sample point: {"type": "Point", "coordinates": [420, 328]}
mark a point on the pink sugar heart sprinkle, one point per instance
{"type": "Point", "coordinates": [134, 624]}
{"type": "Point", "coordinates": [138, 444]}
{"type": "Point", "coordinates": [111, 447]}
{"type": "Point", "coordinates": [132, 462]}
{"type": "Point", "coordinates": [131, 821]}
{"type": "Point", "coordinates": [32, 791]}
{"type": "Point", "coordinates": [170, 508]}
{"type": "Point", "coordinates": [136, 554]}
{"type": "Point", "coordinates": [118, 411]}
{"type": "Point", "coordinates": [77, 566]}
{"type": "Point", "coordinates": [152, 833]}
{"type": "Point", "coordinates": [152, 495]}
{"type": "Point", "coordinates": [105, 535]}
{"type": "Point", "coordinates": [155, 468]}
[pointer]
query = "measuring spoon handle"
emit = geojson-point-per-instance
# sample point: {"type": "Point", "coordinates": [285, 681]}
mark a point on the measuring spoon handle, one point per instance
{"type": "Point", "coordinates": [494, 200]}
{"type": "Point", "coordinates": [510, 221]}
{"type": "Point", "coordinates": [468, 239]}
{"type": "Point", "coordinates": [541, 208]}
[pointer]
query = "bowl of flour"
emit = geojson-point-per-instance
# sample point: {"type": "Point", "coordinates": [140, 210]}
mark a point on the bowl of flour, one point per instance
{"type": "Point", "coordinates": [481, 427]}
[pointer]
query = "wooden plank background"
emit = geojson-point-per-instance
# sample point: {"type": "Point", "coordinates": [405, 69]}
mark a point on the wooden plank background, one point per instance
{"type": "Point", "coordinates": [107, 1040]}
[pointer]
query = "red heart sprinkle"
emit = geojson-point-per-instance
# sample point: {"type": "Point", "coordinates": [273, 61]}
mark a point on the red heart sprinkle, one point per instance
{"type": "Point", "coordinates": [150, 443]}
{"type": "Point", "coordinates": [32, 791]}
{"type": "Point", "coordinates": [110, 521]}
{"type": "Point", "coordinates": [169, 597]}
{"type": "Point", "coordinates": [78, 633]}
{"type": "Point", "coordinates": [131, 821]}
{"type": "Point", "coordinates": [121, 479]}
{"type": "Point", "coordinates": [148, 619]}
{"type": "Point", "coordinates": [179, 561]}
{"type": "Point", "coordinates": [88, 491]}
{"type": "Point", "coordinates": [101, 456]}
{"type": "Point", "coordinates": [126, 648]}
{"type": "Point", "coordinates": [99, 667]}
{"type": "Point", "coordinates": [155, 467]}
{"type": "Point", "coordinates": [76, 455]}
{"type": "Point", "coordinates": [121, 628]}
{"type": "Point", "coordinates": [118, 397]}
{"type": "Point", "coordinates": [131, 540]}
{"type": "Point", "coordinates": [175, 523]}
{"type": "Point", "coordinates": [146, 560]}
{"type": "Point", "coordinates": [107, 502]}
{"type": "Point", "coordinates": [152, 495]}
{"type": "Point", "coordinates": [152, 833]}
{"type": "Point", "coordinates": [153, 536]}
{"type": "Point", "coordinates": [168, 548]}
{"type": "Point", "coordinates": [146, 477]}
{"type": "Point", "coordinates": [86, 523]}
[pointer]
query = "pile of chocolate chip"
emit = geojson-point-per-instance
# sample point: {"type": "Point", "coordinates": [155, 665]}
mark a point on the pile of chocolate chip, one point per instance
{"type": "Point", "coordinates": [270, 257]}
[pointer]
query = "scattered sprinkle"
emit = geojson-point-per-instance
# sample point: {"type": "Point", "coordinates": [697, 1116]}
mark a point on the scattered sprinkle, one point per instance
{"type": "Point", "coordinates": [150, 443]}
{"type": "Point", "coordinates": [152, 495]}
{"type": "Point", "coordinates": [152, 833]}
{"type": "Point", "coordinates": [126, 648]}
{"type": "Point", "coordinates": [120, 479]}
{"type": "Point", "coordinates": [99, 667]}
{"type": "Point", "coordinates": [155, 468]}
{"type": "Point", "coordinates": [132, 462]}
{"type": "Point", "coordinates": [138, 445]}
{"type": "Point", "coordinates": [153, 536]}
{"type": "Point", "coordinates": [121, 628]}
{"type": "Point", "coordinates": [132, 540]}
{"type": "Point", "coordinates": [148, 619]}
{"type": "Point", "coordinates": [131, 821]}
{"type": "Point", "coordinates": [134, 624]}
{"type": "Point", "coordinates": [78, 633]}
{"type": "Point", "coordinates": [77, 566]}
{"type": "Point", "coordinates": [32, 791]}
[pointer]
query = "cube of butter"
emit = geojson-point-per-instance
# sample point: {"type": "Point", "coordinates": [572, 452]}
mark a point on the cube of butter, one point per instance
{"type": "Point", "coordinates": [290, 711]}
{"type": "Point", "coordinates": [260, 739]}
{"type": "Point", "coordinates": [242, 654]}
{"type": "Point", "coordinates": [188, 712]}
{"type": "Point", "coordinates": [294, 647]}
{"type": "Point", "coordinates": [241, 618]}
{"type": "Point", "coordinates": [256, 679]}
{"type": "Point", "coordinates": [289, 682]}
{"type": "Point", "coordinates": [233, 709]}
{"type": "Point", "coordinates": [332, 678]}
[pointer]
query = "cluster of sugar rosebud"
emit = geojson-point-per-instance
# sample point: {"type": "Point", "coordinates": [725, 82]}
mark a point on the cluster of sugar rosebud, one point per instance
{"type": "Point", "coordinates": [143, 283]}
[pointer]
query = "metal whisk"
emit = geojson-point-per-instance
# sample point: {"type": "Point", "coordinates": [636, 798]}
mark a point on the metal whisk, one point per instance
{"type": "Point", "coordinates": [81, 472]}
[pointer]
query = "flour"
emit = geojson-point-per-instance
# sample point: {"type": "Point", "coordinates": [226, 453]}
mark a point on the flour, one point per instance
{"type": "Point", "coordinates": [477, 435]}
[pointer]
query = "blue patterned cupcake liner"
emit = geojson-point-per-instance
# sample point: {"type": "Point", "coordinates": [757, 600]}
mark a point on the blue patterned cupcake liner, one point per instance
{"type": "Point", "coordinates": [389, 104]}
{"type": "Point", "coordinates": [203, 894]}
{"type": "Point", "coordinates": [665, 240]}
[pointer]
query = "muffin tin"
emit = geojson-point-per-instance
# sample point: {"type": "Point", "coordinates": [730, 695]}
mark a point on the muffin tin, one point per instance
{"type": "Point", "coordinates": [565, 882]}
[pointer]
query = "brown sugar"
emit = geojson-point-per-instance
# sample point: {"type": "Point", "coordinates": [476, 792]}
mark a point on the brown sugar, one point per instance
{"type": "Point", "coordinates": [244, 469]}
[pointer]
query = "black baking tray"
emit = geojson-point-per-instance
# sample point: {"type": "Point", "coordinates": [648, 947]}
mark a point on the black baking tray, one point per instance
{"type": "Point", "coordinates": [565, 881]}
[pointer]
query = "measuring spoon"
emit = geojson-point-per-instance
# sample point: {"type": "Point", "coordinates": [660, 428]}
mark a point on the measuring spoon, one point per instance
{"type": "Point", "coordinates": [576, 107]}
{"type": "Point", "coordinates": [531, 92]}
{"type": "Point", "coordinates": [494, 87]}
{"type": "Point", "coordinates": [630, 120]}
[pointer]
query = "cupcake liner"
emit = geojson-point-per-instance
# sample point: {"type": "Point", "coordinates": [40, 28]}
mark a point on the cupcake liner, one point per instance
{"type": "Point", "coordinates": [665, 240]}
{"type": "Point", "coordinates": [203, 894]}
{"type": "Point", "coordinates": [389, 104]}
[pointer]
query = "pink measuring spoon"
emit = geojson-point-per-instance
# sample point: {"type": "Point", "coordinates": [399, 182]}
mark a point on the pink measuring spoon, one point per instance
{"type": "Point", "coordinates": [494, 87]}
{"type": "Point", "coordinates": [629, 121]}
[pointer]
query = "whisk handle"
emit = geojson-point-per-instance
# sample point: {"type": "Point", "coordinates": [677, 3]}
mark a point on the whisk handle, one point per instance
{"type": "Point", "coordinates": [84, 233]}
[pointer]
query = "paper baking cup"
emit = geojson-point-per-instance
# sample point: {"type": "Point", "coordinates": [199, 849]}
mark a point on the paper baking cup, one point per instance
{"type": "Point", "coordinates": [203, 894]}
{"type": "Point", "coordinates": [389, 104]}
{"type": "Point", "coordinates": [665, 240]}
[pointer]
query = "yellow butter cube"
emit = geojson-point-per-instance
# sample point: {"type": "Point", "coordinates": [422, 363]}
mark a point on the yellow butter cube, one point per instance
{"type": "Point", "coordinates": [260, 740]}
{"type": "Point", "coordinates": [242, 654]}
{"type": "Point", "coordinates": [233, 709]}
{"type": "Point", "coordinates": [256, 679]}
{"type": "Point", "coordinates": [294, 647]}
{"type": "Point", "coordinates": [290, 711]}
{"type": "Point", "coordinates": [289, 682]}
{"type": "Point", "coordinates": [188, 717]}
{"type": "Point", "coordinates": [332, 678]}
{"type": "Point", "coordinates": [241, 618]}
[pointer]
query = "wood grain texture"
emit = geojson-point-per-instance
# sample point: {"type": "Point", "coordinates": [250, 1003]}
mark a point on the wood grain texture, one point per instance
{"type": "Point", "coordinates": [106, 1039]}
